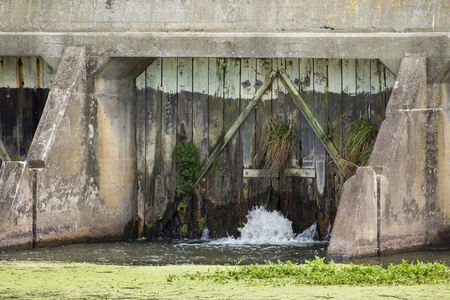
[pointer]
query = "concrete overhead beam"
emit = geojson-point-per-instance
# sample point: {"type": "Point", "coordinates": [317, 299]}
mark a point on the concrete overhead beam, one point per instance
{"type": "Point", "coordinates": [388, 47]}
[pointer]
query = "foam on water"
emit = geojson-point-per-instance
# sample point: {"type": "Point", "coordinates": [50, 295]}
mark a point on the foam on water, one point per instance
{"type": "Point", "coordinates": [268, 227]}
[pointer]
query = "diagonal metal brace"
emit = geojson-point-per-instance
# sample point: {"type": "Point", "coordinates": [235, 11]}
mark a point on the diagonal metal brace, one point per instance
{"type": "Point", "coordinates": [259, 93]}
{"type": "Point", "coordinates": [301, 104]}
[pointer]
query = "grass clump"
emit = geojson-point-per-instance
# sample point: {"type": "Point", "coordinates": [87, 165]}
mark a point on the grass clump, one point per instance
{"type": "Point", "coordinates": [359, 142]}
{"type": "Point", "coordinates": [278, 138]}
{"type": "Point", "coordinates": [317, 272]}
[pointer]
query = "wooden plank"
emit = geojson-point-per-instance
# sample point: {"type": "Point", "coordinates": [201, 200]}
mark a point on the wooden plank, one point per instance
{"type": "Point", "coordinates": [200, 123]}
{"type": "Point", "coordinates": [236, 125]}
{"type": "Point", "coordinates": [320, 113]}
{"type": "Point", "coordinates": [248, 80]}
{"type": "Point", "coordinates": [154, 158]}
{"type": "Point", "coordinates": [169, 134]}
{"type": "Point", "coordinates": [349, 94]}
{"type": "Point", "coordinates": [376, 99]}
{"type": "Point", "coordinates": [200, 106]}
{"type": "Point", "coordinates": [362, 88]}
{"type": "Point", "coordinates": [335, 102]}
{"type": "Point", "coordinates": [10, 74]}
{"type": "Point", "coordinates": [29, 73]}
{"type": "Point", "coordinates": [184, 123]}
{"type": "Point", "coordinates": [233, 160]}
{"type": "Point", "coordinates": [247, 131]}
{"type": "Point", "coordinates": [264, 107]}
{"type": "Point", "coordinates": [306, 78]}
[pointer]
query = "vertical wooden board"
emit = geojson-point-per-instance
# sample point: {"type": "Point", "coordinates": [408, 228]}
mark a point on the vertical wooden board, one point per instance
{"type": "Point", "coordinates": [246, 131]}
{"type": "Point", "coordinates": [184, 123]}
{"type": "Point", "coordinates": [335, 101]}
{"type": "Point", "coordinates": [233, 171]}
{"type": "Point", "coordinates": [140, 122]}
{"type": "Point", "coordinates": [154, 159]}
{"type": "Point", "coordinates": [200, 106]}
{"type": "Point", "coordinates": [362, 88]}
{"type": "Point", "coordinates": [1, 71]}
{"type": "Point", "coordinates": [169, 127]}
{"type": "Point", "coordinates": [321, 114]}
{"type": "Point", "coordinates": [10, 75]}
{"type": "Point", "coordinates": [349, 93]}
{"type": "Point", "coordinates": [200, 121]}
{"type": "Point", "coordinates": [377, 84]}
{"type": "Point", "coordinates": [264, 106]}
{"type": "Point", "coordinates": [215, 128]}
{"type": "Point", "coordinates": [247, 86]}
{"type": "Point", "coordinates": [27, 75]}
{"type": "Point", "coordinates": [306, 92]}
{"type": "Point", "coordinates": [390, 81]}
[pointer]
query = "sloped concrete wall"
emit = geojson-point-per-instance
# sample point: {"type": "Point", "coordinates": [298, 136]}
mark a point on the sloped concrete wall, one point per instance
{"type": "Point", "coordinates": [411, 168]}
{"type": "Point", "coordinates": [16, 205]}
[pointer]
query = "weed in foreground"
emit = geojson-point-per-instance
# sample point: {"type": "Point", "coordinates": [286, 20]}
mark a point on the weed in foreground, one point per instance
{"type": "Point", "coordinates": [317, 272]}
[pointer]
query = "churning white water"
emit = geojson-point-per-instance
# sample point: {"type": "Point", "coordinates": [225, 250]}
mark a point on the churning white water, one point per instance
{"type": "Point", "coordinates": [269, 227]}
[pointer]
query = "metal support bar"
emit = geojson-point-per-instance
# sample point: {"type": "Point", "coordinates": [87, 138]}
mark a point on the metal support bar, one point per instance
{"type": "Point", "coordinates": [3, 152]}
{"type": "Point", "coordinates": [301, 104]}
{"type": "Point", "coordinates": [259, 93]}
{"type": "Point", "coordinates": [258, 173]}
{"type": "Point", "coordinates": [304, 173]}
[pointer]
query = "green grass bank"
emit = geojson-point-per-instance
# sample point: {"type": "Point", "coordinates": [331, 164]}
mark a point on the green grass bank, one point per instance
{"type": "Point", "coordinates": [34, 280]}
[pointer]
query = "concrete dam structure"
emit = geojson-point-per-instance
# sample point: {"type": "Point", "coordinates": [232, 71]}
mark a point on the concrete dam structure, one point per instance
{"type": "Point", "coordinates": [95, 99]}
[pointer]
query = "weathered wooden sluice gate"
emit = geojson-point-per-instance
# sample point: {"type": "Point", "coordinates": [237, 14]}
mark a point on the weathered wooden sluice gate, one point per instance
{"type": "Point", "coordinates": [200, 99]}
{"type": "Point", "coordinates": [134, 79]}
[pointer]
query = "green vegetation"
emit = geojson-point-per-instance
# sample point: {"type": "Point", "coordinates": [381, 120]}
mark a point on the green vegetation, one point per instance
{"type": "Point", "coordinates": [277, 142]}
{"type": "Point", "coordinates": [188, 166]}
{"type": "Point", "coordinates": [202, 224]}
{"type": "Point", "coordinates": [43, 280]}
{"type": "Point", "coordinates": [317, 272]}
{"type": "Point", "coordinates": [359, 143]}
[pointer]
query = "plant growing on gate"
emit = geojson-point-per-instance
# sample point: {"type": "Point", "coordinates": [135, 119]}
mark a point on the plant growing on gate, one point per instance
{"type": "Point", "coordinates": [359, 142]}
{"type": "Point", "coordinates": [188, 166]}
{"type": "Point", "coordinates": [277, 143]}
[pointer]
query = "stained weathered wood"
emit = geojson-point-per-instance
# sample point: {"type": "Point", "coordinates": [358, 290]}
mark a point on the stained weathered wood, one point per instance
{"type": "Point", "coordinates": [362, 87]}
{"type": "Point", "coordinates": [335, 102]}
{"type": "Point", "coordinates": [349, 93]}
{"type": "Point", "coordinates": [184, 111]}
{"type": "Point", "coordinates": [169, 134]}
{"type": "Point", "coordinates": [233, 159]}
{"type": "Point", "coordinates": [236, 125]}
{"type": "Point", "coordinates": [376, 98]}
{"type": "Point", "coordinates": [390, 80]}
{"type": "Point", "coordinates": [200, 123]}
{"type": "Point", "coordinates": [154, 157]}
{"type": "Point", "coordinates": [4, 155]}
